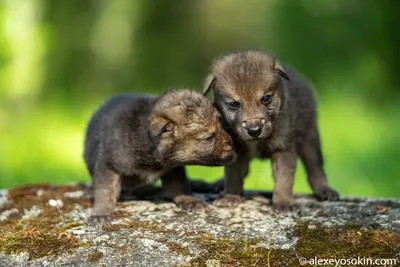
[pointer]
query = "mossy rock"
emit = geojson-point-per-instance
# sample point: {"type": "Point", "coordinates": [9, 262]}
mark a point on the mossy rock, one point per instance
{"type": "Point", "coordinates": [45, 224]}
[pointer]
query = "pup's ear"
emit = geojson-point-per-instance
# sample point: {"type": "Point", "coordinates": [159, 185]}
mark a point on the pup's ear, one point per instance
{"type": "Point", "coordinates": [160, 125]}
{"type": "Point", "coordinates": [281, 72]}
{"type": "Point", "coordinates": [209, 84]}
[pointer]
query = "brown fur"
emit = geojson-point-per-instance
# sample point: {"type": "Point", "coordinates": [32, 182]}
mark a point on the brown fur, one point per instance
{"type": "Point", "coordinates": [132, 140]}
{"type": "Point", "coordinates": [282, 129]}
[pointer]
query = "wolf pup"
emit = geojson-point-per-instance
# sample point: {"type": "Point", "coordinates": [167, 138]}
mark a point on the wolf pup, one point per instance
{"type": "Point", "coordinates": [270, 112]}
{"type": "Point", "coordinates": [131, 140]}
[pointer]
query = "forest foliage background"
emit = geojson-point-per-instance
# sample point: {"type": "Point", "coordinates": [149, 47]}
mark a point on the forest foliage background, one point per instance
{"type": "Point", "coordinates": [59, 60]}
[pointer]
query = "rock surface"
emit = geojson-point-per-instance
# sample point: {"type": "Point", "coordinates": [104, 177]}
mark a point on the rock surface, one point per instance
{"type": "Point", "coordinates": [44, 225]}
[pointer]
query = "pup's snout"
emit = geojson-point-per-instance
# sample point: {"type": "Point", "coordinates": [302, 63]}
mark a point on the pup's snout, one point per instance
{"type": "Point", "coordinates": [253, 128]}
{"type": "Point", "coordinates": [227, 148]}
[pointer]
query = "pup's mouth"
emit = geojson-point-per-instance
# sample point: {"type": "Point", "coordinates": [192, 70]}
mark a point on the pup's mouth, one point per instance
{"type": "Point", "coordinates": [228, 157]}
{"type": "Point", "coordinates": [224, 159]}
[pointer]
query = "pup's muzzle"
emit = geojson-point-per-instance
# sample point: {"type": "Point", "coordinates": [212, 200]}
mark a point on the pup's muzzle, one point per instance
{"type": "Point", "coordinates": [253, 127]}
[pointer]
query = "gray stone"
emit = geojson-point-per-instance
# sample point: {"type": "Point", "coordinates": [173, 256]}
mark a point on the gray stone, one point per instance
{"type": "Point", "coordinates": [160, 234]}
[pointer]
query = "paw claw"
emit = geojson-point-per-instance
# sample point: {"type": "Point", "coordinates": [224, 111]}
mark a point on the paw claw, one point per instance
{"type": "Point", "coordinates": [284, 206]}
{"type": "Point", "coordinates": [100, 220]}
{"type": "Point", "coordinates": [228, 201]}
{"type": "Point", "coordinates": [190, 203]}
{"type": "Point", "coordinates": [327, 193]}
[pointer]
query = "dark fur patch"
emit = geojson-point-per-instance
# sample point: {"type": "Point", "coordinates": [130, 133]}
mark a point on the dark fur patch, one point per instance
{"type": "Point", "coordinates": [133, 140]}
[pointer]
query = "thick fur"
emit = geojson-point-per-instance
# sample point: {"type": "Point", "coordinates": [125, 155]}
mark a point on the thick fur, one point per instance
{"type": "Point", "coordinates": [131, 140]}
{"type": "Point", "coordinates": [286, 125]}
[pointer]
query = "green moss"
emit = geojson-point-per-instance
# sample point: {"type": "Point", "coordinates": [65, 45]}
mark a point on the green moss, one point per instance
{"type": "Point", "coordinates": [85, 244]}
{"type": "Point", "coordinates": [178, 249]}
{"type": "Point", "coordinates": [95, 256]}
{"type": "Point", "coordinates": [321, 242]}
{"type": "Point", "coordinates": [44, 244]}
{"type": "Point", "coordinates": [229, 252]}
{"type": "Point", "coordinates": [39, 236]}
{"type": "Point", "coordinates": [121, 214]}
{"type": "Point", "coordinates": [345, 242]}
{"type": "Point", "coordinates": [112, 227]}
{"type": "Point", "coordinates": [42, 235]}
{"type": "Point", "coordinates": [71, 225]}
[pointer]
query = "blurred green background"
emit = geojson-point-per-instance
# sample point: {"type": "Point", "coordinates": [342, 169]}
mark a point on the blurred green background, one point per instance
{"type": "Point", "coordinates": [59, 60]}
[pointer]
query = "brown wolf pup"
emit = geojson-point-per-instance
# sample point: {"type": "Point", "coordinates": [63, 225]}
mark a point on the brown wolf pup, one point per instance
{"type": "Point", "coordinates": [270, 112]}
{"type": "Point", "coordinates": [131, 140]}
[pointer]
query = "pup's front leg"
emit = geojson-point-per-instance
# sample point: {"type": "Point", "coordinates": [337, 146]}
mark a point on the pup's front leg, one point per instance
{"type": "Point", "coordinates": [175, 182]}
{"type": "Point", "coordinates": [234, 177]}
{"type": "Point", "coordinates": [107, 188]}
{"type": "Point", "coordinates": [283, 171]}
{"type": "Point", "coordinates": [311, 155]}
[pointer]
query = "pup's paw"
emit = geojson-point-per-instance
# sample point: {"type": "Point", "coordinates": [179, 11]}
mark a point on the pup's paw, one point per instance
{"type": "Point", "coordinates": [284, 205]}
{"type": "Point", "coordinates": [326, 193]}
{"type": "Point", "coordinates": [228, 200]}
{"type": "Point", "coordinates": [190, 203]}
{"type": "Point", "coordinates": [100, 220]}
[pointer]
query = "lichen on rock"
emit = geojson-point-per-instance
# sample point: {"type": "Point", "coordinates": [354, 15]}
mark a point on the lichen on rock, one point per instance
{"type": "Point", "coordinates": [146, 233]}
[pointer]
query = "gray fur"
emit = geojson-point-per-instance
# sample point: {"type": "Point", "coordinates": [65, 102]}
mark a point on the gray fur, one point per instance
{"type": "Point", "coordinates": [287, 124]}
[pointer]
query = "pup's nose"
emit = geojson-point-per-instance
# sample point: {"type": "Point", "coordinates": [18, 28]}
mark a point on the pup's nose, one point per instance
{"type": "Point", "coordinates": [254, 130]}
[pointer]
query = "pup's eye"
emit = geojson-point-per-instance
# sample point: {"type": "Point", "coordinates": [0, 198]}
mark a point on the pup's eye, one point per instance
{"type": "Point", "coordinates": [211, 137]}
{"type": "Point", "coordinates": [266, 99]}
{"type": "Point", "coordinates": [234, 105]}
{"type": "Point", "coordinates": [167, 128]}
